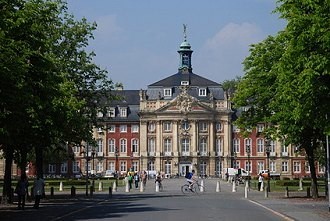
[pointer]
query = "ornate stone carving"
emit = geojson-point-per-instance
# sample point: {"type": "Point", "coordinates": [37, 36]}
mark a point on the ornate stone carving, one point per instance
{"type": "Point", "coordinates": [184, 100]}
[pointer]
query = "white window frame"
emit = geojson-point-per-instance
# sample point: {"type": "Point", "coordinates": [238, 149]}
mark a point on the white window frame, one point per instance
{"type": "Point", "coordinates": [51, 168]}
{"type": "Point", "coordinates": [218, 126]}
{"type": "Point", "coordinates": [260, 145]}
{"type": "Point", "coordinates": [111, 128]}
{"type": "Point", "coordinates": [123, 111]}
{"type": "Point", "coordinates": [184, 83]}
{"type": "Point", "coordinates": [203, 126]}
{"type": "Point", "coordinates": [111, 112]}
{"type": "Point", "coordinates": [285, 166]}
{"type": "Point", "coordinates": [135, 145]}
{"type": "Point", "coordinates": [167, 145]}
{"type": "Point", "coordinates": [75, 166]}
{"type": "Point", "coordinates": [260, 128]}
{"type": "Point", "coordinates": [123, 145]}
{"type": "Point", "coordinates": [296, 166]}
{"type": "Point", "coordinates": [167, 125]}
{"type": "Point", "coordinates": [111, 145]}
{"type": "Point", "coordinates": [236, 145]}
{"type": "Point", "coordinates": [123, 128]}
{"type": "Point", "coordinates": [151, 127]}
{"type": "Point", "coordinates": [167, 92]}
{"type": "Point", "coordinates": [202, 92]}
{"type": "Point", "coordinates": [135, 128]}
{"type": "Point", "coordinates": [64, 167]}
{"type": "Point", "coordinates": [112, 166]}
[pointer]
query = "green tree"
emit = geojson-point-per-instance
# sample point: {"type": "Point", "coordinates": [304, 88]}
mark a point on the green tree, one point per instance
{"type": "Point", "coordinates": [50, 87]}
{"type": "Point", "coordinates": [287, 79]}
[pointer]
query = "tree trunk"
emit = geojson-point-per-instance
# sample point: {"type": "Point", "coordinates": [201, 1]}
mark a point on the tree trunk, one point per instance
{"type": "Point", "coordinates": [311, 161]}
{"type": "Point", "coordinates": [39, 161]}
{"type": "Point", "coordinates": [7, 192]}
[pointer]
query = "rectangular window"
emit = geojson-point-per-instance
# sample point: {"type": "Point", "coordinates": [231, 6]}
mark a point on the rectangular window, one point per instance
{"type": "Point", "coordinates": [123, 146]}
{"type": "Point", "coordinates": [99, 167]}
{"type": "Point", "coordinates": [123, 128]}
{"type": "Point", "coordinates": [272, 166]}
{"type": "Point", "coordinates": [111, 128]}
{"type": "Point", "coordinates": [184, 82]}
{"type": "Point", "coordinates": [167, 92]}
{"type": "Point", "coordinates": [236, 145]}
{"type": "Point", "coordinates": [151, 146]}
{"type": "Point", "coordinates": [296, 167]}
{"type": "Point", "coordinates": [123, 112]}
{"type": "Point", "coordinates": [248, 145]}
{"type": "Point", "coordinates": [123, 166]}
{"type": "Point", "coordinates": [135, 165]}
{"type": "Point", "coordinates": [185, 146]}
{"type": "Point", "coordinates": [248, 166]}
{"type": "Point", "coordinates": [135, 145]}
{"type": "Point", "coordinates": [261, 165]}
{"type": "Point", "coordinates": [218, 126]}
{"type": "Point", "coordinates": [111, 112]}
{"type": "Point", "coordinates": [284, 166]}
{"type": "Point", "coordinates": [203, 147]}
{"type": "Point", "coordinates": [51, 168]}
{"type": "Point", "coordinates": [202, 92]}
{"type": "Point", "coordinates": [218, 146]}
{"type": "Point", "coordinates": [99, 149]}
{"type": "Point", "coordinates": [260, 128]}
{"type": "Point", "coordinates": [111, 166]}
{"type": "Point", "coordinates": [135, 128]}
{"type": "Point", "coordinates": [76, 149]}
{"type": "Point", "coordinates": [168, 167]}
{"type": "Point", "coordinates": [111, 145]}
{"type": "Point", "coordinates": [151, 165]}
{"type": "Point", "coordinates": [168, 146]}
{"type": "Point", "coordinates": [260, 145]}
{"type": "Point", "coordinates": [75, 167]}
{"type": "Point", "coordinates": [202, 126]}
{"type": "Point", "coordinates": [167, 126]}
{"type": "Point", "coordinates": [236, 164]}
{"type": "Point", "coordinates": [285, 150]}
{"type": "Point", "coordinates": [64, 167]}
{"type": "Point", "coordinates": [307, 167]}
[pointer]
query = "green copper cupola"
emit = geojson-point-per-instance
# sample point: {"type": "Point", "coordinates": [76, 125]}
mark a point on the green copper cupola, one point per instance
{"type": "Point", "coordinates": [185, 53]}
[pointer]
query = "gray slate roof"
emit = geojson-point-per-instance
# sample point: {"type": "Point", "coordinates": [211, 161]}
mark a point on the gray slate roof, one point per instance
{"type": "Point", "coordinates": [175, 80]}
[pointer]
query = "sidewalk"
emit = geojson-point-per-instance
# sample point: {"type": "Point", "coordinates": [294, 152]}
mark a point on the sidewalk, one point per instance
{"type": "Point", "coordinates": [295, 207]}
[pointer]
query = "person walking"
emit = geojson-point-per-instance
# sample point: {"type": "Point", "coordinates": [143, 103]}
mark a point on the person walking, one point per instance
{"type": "Point", "coordinates": [22, 190]}
{"type": "Point", "coordinates": [136, 180]}
{"type": "Point", "coordinates": [260, 181]}
{"type": "Point", "coordinates": [38, 191]}
{"type": "Point", "coordinates": [144, 178]}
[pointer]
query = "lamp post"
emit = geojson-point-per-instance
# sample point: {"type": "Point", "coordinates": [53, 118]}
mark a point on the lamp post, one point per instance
{"type": "Point", "coordinates": [248, 151]}
{"type": "Point", "coordinates": [268, 153]}
{"type": "Point", "coordinates": [85, 154]}
{"type": "Point", "coordinates": [93, 174]}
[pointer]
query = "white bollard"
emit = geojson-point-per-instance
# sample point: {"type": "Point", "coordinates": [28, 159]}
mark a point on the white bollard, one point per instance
{"type": "Point", "coordinates": [217, 189]}
{"type": "Point", "coordinates": [141, 187]}
{"type": "Point", "coordinates": [127, 185]}
{"type": "Point", "coordinates": [234, 187]}
{"type": "Point", "coordinates": [61, 186]}
{"type": "Point", "coordinates": [262, 186]}
{"type": "Point", "coordinates": [100, 186]}
{"type": "Point", "coordinates": [114, 187]}
{"type": "Point", "coordinates": [202, 186]}
{"type": "Point", "coordinates": [246, 189]}
{"type": "Point", "coordinates": [157, 186]}
{"type": "Point", "coordinates": [301, 184]}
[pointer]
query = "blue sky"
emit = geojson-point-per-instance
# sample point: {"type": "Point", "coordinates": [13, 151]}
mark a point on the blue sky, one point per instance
{"type": "Point", "coordinates": [137, 40]}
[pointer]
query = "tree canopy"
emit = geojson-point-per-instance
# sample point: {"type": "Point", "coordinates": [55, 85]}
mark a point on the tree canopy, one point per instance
{"type": "Point", "coordinates": [286, 82]}
{"type": "Point", "coordinates": [50, 88]}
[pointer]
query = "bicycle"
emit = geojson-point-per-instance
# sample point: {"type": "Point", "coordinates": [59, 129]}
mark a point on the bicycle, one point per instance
{"type": "Point", "coordinates": [196, 188]}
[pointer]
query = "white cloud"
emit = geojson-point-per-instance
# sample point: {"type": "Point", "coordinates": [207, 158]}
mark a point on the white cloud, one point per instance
{"type": "Point", "coordinates": [222, 55]}
{"type": "Point", "coordinates": [233, 35]}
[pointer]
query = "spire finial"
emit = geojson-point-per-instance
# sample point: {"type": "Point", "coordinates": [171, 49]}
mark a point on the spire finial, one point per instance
{"type": "Point", "coordinates": [185, 32]}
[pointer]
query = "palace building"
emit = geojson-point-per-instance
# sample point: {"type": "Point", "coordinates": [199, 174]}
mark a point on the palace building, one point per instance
{"type": "Point", "coordinates": [177, 124]}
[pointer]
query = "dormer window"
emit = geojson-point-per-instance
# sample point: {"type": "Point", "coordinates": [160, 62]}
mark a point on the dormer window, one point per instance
{"type": "Point", "coordinates": [123, 112]}
{"type": "Point", "coordinates": [202, 92]}
{"type": "Point", "coordinates": [111, 112]}
{"type": "Point", "coordinates": [167, 92]}
{"type": "Point", "coordinates": [184, 82]}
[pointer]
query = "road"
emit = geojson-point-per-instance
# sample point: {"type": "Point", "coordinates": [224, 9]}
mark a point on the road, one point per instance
{"type": "Point", "coordinates": [169, 204]}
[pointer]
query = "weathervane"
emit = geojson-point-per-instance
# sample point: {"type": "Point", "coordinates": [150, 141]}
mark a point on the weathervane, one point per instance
{"type": "Point", "coordinates": [185, 32]}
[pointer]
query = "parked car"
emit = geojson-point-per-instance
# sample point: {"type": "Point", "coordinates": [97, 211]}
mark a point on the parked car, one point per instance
{"type": "Point", "coordinates": [109, 174]}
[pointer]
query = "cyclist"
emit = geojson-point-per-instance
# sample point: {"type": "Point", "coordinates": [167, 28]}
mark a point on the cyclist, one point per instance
{"type": "Point", "coordinates": [191, 179]}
